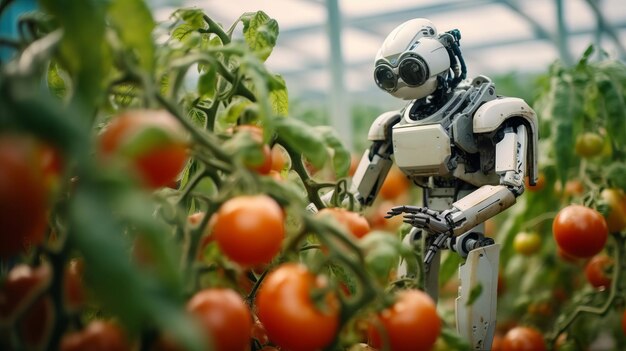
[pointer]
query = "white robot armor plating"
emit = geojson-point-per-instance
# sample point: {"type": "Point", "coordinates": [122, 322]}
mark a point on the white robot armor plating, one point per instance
{"type": "Point", "coordinates": [468, 148]}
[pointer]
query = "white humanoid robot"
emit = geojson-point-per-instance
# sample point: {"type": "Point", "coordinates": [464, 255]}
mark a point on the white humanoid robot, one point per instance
{"type": "Point", "coordinates": [468, 148]}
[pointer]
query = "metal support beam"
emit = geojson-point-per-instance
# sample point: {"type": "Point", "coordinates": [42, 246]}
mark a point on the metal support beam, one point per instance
{"type": "Point", "coordinates": [340, 116]}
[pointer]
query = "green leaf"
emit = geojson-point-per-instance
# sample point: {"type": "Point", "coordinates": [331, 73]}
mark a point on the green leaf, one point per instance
{"type": "Point", "coordinates": [301, 137]}
{"type": "Point", "coordinates": [279, 98]}
{"type": "Point", "coordinates": [134, 23]}
{"type": "Point", "coordinates": [616, 175]}
{"type": "Point", "coordinates": [341, 155]}
{"type": "Point", "coordinates": [234, 111]}
{"type": "Point", "coordinates": [449, 266]}
{"type": "Point", "coordinates": [612, 93]}
{"type": "Point", "coordinates": [260, 33]}
{"type": "Point", "coordinates": [56, 83]}
{"type": "Point", "coordinates": [207, 82]}
{"type": "Point", "coordinates": [453, 340]}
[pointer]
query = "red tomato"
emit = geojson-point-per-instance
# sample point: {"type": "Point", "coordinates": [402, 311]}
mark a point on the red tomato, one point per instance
{"type": "Point", "coordinates": [539, 185]}
{"type": "Point", "coordinates": [20, 294]}
{"type": "Point", "coordinates": [23, 195]}
{"type": "Point", "coordinates": [256, 132]}
{"type": "Point", "coordinates": [98, 335]}
{"type": "Point", "coordinates": [293, 320]}
{"type": "Point", "coordinates": [249, 229]}
{"type": "Point", "coordinates": [353, 222]}
{"type": "Point", "coordinates": [411, 323]}
{"type": "Point", "coordinates": [224, 317]}
{"type": "Point", "coordinates": [395, 184]}
{"type": "Point", "coordinates": [523, 339]}
{"type": "Point", "coordinates": [279, 158]}
{"type": "Point", "coordinates": [580, 231]}
{"type": "Point", "coordinates": [157, 159]}
{"type": "Point", "coordinates": [597, 271]}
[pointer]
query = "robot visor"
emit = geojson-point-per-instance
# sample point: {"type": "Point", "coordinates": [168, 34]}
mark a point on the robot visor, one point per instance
{"type": "Point", "coordinates": [411, 69]}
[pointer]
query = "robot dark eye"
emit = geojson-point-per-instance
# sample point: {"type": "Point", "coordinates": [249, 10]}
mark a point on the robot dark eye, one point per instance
{"type": "Point", "coordinates": [385, 78]}
{"type": "Point", "coordinates": [413, 71]}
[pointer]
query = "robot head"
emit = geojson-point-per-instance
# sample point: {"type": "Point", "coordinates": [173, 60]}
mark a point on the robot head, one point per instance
{"type": "Point", "coordinates": [410, 59]}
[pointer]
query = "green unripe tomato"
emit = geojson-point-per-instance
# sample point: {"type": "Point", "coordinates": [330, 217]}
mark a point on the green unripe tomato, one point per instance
{"type": "Point", "coordinates": [589, 144]}
{"type": "Point", "coordinates": [527, 243]}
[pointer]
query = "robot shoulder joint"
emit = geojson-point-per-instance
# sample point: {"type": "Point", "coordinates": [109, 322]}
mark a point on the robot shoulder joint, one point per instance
{"type": "Point", "coordinates": [380, 130]}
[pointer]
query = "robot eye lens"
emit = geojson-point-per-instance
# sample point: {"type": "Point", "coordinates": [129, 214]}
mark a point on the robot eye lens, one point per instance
{"type": "Point", "coordinates": [413, 71]}
{"type": "Point", "coordinates": [385, 78]}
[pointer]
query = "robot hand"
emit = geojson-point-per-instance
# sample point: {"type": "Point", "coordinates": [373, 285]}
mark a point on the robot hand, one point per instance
{"type": "Point", "coordinates": [436, 222]}
{"type": "Point", "coordinates": [424, 218]}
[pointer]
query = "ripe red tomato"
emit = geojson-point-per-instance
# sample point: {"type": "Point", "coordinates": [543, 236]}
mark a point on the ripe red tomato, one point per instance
{"type": "Point", "coordinates": [23, 195]}
{"type": "Point", "coordinates": [98, 335]}
{"type": "Point", "coordinates": [249, 229]}
{"type": "Point", "coordinates": [280, 158]}
{"type": "Point", "coordinates": [597, 271]}
{"type": "Point", "coordinates": [224, 317]}
{"type": "Point", "coordinates": [293, 320]}
{"type": "Point", "coordinates": [20, 294]}
{"type": "Point", "coordinates": [412, 311]}
{"type": "Point", "coordinates": [153, 141]}
{"type": "Point", "coordinates": [580, 231]}
{"type": "Point", "coordinates": [522, 338]}
{"type": "Point", "coordinates": [353, 222]}
{"type": "Point", "coordinates": [539, 185]}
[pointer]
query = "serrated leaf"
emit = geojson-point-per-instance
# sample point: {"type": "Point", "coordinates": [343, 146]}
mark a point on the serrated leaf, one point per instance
{"type": "Point", "coordinates": [234, 111]}
{"type": "Point", "coordinates": [341, 155]}
{"type": "Point", "coordinates": [260, 33]}
{"type": "Point", "coordinates": [134, 23]}
{"type": "Point", "coordinates": [613, 96]}
{"type": "Point", "coordinates": [279, 98]}
{"type": "Point", "coordinates": [56, 83]}
{"type": "Point", "coordinates": [302, 138]}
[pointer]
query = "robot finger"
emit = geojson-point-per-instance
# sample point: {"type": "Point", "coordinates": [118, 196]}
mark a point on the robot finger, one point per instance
{"type": "Point", "coordinates": [417, 220]}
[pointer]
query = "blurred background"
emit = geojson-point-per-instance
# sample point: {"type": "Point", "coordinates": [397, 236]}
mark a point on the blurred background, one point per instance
{"type": "Point", "coordinates": [326, 48]}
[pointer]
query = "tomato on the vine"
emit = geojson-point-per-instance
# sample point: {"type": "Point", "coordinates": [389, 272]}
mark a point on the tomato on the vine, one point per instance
{"type": "Point", "coordinates": [616, 216]}
{"type": "Point", "coordinates": [413, 311]}
{"type": "Point", "coordinates": [256, 132]}
{"type": "Point", "coordinates": [597, 271]}
{"type": "Point", "coordinates": [353, 222]}
{"type": "Point", "coordinates": [20, 294]}
{"type": "Point", "coordinates": [224, 317]}
{"type": "Point", "coordinates": [152, 141]}
{"type": "Point", "coordinates": [523, 338]}
{"type": "Point", "coordinates": [249, 229]}
{"type": "Point", "coordinates": [527, 243]}
{"type": "Point", "coordinates": [589, 144]}
{"type": "Point", "coordinates": [292, 318]}
{"type": "Point", "coordinates": [98, 335]}
{"type": "Point", "coordinates": [580, 231]}
{"type": "Point", "coordinates": [395, 184]}
{"type": "Point", "coordinates": [23, 195]}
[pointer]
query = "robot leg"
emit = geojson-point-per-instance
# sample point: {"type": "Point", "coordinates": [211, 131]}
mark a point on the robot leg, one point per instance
{"type": "Point", "coordinates": [476, 303]}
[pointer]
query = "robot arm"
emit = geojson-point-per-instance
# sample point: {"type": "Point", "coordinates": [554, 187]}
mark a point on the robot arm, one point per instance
{"type": "Point", "coordinates": [486, 201]}
{"type": "Point", "coordinates": [374, 164]}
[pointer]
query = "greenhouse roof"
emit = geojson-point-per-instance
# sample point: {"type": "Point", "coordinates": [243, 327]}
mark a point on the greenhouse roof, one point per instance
{"type": "Point", "coordinates": [498, 36]}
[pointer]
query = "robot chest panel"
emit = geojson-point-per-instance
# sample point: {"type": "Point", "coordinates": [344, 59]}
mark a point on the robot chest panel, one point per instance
{"type": "Point", "coordinates": [422, 150]}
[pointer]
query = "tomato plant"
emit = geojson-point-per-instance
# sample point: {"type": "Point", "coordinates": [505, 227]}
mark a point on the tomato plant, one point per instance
{"type": "Point", "coordinates": [580, 231]}
{"type": "Point", "coordinates": [395, 326]}
{"type": "Point", "coordinates": [224, 318]}
{"type": "Point", "coordinates": [250, 229]}
{"type": "Point", "coordinates": [151, 140]}
{"type": "Point", "coordinates": [293, 319]}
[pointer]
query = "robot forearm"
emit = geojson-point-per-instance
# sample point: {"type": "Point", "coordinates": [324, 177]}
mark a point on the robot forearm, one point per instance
{"type": "Point", "coordinates": [475, 208]}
